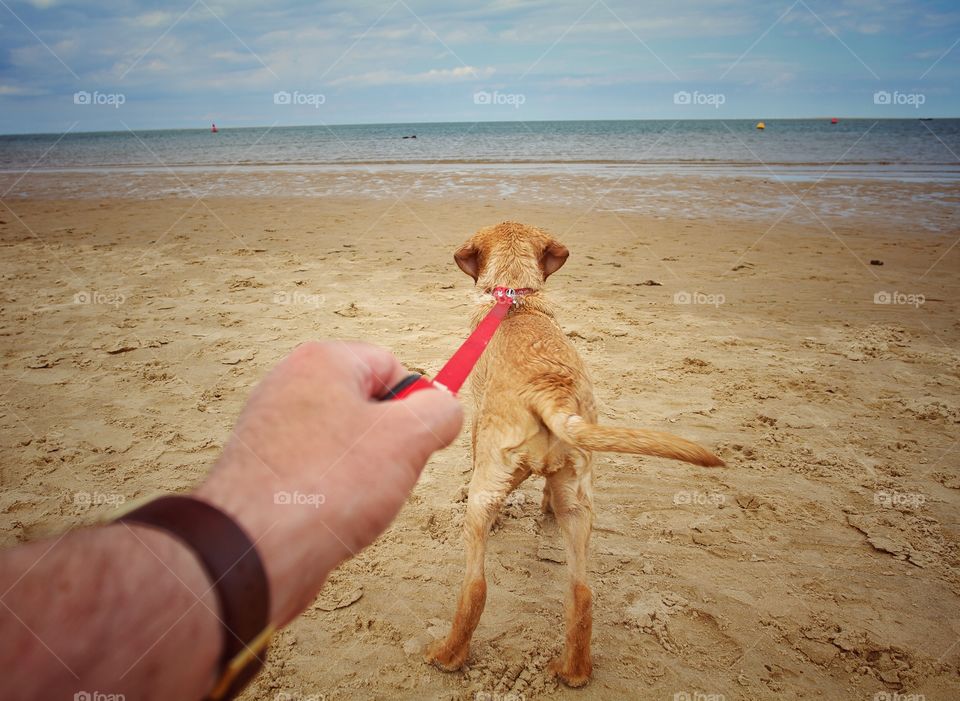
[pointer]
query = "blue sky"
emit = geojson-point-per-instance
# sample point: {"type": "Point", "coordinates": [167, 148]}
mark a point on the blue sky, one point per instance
{"type": "Point", "coordinates": [141, 65]}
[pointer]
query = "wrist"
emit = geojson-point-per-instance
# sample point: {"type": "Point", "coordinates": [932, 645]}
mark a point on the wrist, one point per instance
{"type": "Point", "coordinates": [167, 554]}
{"type": "Point", "coordinates": [236, 573]}
{"type": "Point", "coordinates": [296, 555]}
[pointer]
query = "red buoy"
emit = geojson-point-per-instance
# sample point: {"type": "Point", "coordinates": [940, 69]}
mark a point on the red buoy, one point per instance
{"type": "Point", "coordinates": [834, 120]}
{"type": "Point", "coordinates": [213, 128]}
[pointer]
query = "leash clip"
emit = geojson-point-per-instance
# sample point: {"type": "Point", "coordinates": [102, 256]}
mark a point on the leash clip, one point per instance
{"type": "Point", "coordinates": [510, 293]}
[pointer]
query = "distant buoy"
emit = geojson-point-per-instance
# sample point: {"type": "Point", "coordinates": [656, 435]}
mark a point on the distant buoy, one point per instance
{"type": "Point", "coordinates": [834, 120]}
{"type": "Point", "coordinates": [213, 128]}
{"type": "Point", "coordinates": [761, 125]}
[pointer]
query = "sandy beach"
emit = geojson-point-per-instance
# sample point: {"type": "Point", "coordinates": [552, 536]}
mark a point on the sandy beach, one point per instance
{"type": "Point", "coordinates": [817, 353]}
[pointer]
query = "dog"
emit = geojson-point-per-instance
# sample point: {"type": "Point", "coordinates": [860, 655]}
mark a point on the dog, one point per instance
{"type": "Point", "coordinates": [535, 414]}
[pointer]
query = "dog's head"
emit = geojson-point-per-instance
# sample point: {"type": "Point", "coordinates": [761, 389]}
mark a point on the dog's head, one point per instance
{"type": "Point", "coordinates": [511, 255]}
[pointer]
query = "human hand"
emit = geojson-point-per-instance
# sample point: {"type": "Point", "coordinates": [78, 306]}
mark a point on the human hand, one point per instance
{"type": "Point", "coordinates": [317, 468]}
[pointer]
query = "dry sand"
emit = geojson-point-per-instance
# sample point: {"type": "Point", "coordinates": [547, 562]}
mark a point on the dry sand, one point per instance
{"type": "Point", "coordinates": [821, 563]}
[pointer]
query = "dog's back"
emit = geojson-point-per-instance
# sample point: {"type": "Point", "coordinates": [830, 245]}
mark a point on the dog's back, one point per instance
{"type": "Point", "coordinates": [532, 367]}
{"type": "Point", "coordinates": [529, 369]}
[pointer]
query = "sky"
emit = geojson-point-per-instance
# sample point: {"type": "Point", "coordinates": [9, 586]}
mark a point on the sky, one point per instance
{"type": "Point", "coordinates": [130, 64]}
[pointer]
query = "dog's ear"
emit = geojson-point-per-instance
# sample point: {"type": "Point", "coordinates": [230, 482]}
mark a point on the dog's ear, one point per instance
{"type": "Point", "coordinates": [553, 257]}
{"type": "Point", "coordinates": [468, 258]}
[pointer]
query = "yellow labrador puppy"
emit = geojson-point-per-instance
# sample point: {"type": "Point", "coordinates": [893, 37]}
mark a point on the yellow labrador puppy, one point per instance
{"type": "Point", "coordinates": [535, 414]}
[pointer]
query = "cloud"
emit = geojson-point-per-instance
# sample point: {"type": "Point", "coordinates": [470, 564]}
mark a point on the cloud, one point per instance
{"type": "Point", "coordinates": [715, 56]}
{"type": "Point", "coordinates": [434, 75]}
{"type": "Point", "coordinates": [15, 90]}
{"type": "Point", "coordinates": [232, 56]}
{"type": "Point", "coordinates": [591, 81]}
{"type": "Point", "coordinates": [577, 48]}
{"type": "Point", "coordinates": [157, 18]}
{"type": "Point", "coordinates": [395, 33]}
{"type": "Point", "coordinates": [646, 28]}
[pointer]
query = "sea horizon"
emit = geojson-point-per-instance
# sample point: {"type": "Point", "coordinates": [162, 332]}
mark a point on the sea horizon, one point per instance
{"type": "Point", "coordinates": [794, 142]}
{"type": "Point", "coordinates": [220, 125]}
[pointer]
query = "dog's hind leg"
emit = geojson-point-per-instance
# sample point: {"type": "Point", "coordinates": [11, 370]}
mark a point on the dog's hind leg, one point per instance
{"type": "Point", "coordinates": [546, 505]}
{"type": "Point", "coordinates": [572, 500]}
{"type": "Point", "coordinates": [485, 499]}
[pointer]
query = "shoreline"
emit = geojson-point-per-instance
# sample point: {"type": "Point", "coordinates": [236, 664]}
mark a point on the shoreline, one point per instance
{"type": "Point", "coordinates": [865, 171]}
{"type": "Point", "coordinates": [829, 204]}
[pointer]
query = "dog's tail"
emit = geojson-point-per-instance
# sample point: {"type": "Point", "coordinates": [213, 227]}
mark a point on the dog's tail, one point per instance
{"type": "Point", "coordinates": [571, 428]}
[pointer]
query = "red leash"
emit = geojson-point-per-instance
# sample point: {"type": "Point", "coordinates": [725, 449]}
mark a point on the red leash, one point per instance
{"type": "Point", "coordinates": [452, 376]}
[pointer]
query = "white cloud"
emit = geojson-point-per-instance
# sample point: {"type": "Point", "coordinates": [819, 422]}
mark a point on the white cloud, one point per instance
{"type": "Point", "coordinates": [232, 56]}
{"type": "Point", "coordinates": [153, 19]}
{"type": "Point", "coordinates": [18, 90]}
{"type": "Point", "coordinates": [434, 75]}
{"type": "Point", "coordinates": [716, 56]}
{"type": "Point", "coordinates": [649, 28]}
{"type": "Point", "coordinates": [394, 33]}
{"type": "Point", "coordinates": [590, 81]}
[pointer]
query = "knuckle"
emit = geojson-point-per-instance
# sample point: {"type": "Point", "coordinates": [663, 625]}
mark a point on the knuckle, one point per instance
{"type": "Point", "coordinates": [309, 351]}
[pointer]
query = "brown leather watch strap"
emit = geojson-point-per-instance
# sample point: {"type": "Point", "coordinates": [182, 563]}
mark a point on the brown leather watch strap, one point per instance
{"type": "Point", "coordinates": [231, 561]}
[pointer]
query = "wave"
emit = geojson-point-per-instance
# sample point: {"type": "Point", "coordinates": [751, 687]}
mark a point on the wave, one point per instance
{"type": "Point", "coordinates": [704, 162]}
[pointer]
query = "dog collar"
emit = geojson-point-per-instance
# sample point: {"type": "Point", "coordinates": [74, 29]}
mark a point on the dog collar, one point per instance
{"type": "Point", "coordinates": [511, 293]}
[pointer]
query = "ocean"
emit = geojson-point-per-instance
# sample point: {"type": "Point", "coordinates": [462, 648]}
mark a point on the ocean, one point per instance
{"type": "Point", "coordinates": [908, 149]}
{"type": "Point", "coordinates": [707, 169]}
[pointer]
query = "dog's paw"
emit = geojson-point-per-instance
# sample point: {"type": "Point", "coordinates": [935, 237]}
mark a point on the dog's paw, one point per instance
{"type": "Point", "coordinates": [440, 655]}
{"type": "Point", "coordinates": [575, 675]}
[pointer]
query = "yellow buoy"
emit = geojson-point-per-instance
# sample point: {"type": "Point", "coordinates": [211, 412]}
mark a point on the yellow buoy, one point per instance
{"type": "Point", "coordinates": [761, 125]}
